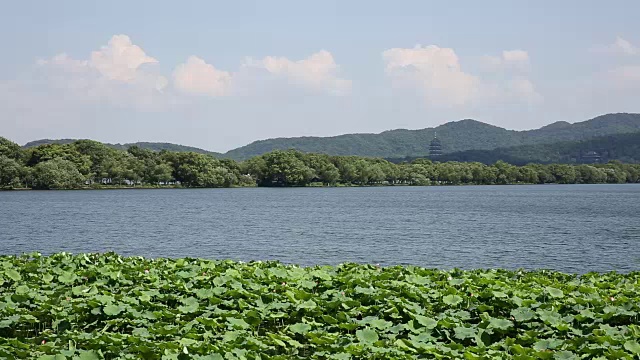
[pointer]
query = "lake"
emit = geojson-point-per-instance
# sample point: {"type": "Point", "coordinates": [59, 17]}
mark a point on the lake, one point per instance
{"type": "Point", "coordinates": [571, 228]}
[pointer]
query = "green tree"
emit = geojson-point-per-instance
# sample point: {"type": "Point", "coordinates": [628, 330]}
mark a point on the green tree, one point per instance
{"type": "Point", "coordinates": [285, 168]}
{"type": "Point", "coordinates": [10, 172]}
{"type": "Point", "coordinates": [323, 169]}
{"type": "Point", "coordinates": [507, 173]}
{"type": "Point", "coordinates": [10, 149]}
{"type": "Point", "coordinates": [161, 173]}
{"type": "Point", "coordinates": [564, 174]}
{"type": "Point", "coordinates": [56, 174]}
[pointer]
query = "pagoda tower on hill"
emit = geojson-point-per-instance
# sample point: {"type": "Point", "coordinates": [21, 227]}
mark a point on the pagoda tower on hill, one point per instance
{"type": "Point", "coordinates": [435, 147]}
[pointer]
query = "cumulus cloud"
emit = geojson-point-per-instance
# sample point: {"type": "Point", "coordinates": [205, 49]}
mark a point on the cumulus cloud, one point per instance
{"type": "Point", "coordinates": [197, 77]}
{"type": "Point", "coordinates": [437, 72]}
{"type": "Point", "coordinates": [112, 74]}
{"type": "Point", "coordinates": [318, 72]}
{"type": "Point", "coordinates": [619, 47]}
{"type": "Point", "coordinates": [120, 59]}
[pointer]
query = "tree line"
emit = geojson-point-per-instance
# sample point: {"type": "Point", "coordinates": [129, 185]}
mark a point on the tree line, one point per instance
{"type": "Point", "coordinates": [87, 163]}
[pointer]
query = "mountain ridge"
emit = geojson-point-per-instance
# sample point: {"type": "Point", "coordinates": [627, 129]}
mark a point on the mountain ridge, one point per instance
{"type": "Point", "coordinates": [456, 136]}
{"type": "Point", "coordinates": [623, 147]}
{"type": "Point", "coordinates": [460, 135]}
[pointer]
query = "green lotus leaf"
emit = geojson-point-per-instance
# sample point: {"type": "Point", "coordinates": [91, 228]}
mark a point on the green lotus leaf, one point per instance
{"type": "Point", "coordinates": [104, 305]}
{"type": "Point", "coordinates": [547, 344]}
{"type": "Point", "coordinates": [502, 324]}
{"type": "Point", "coordinates": [230, 336]}
{"type": "Point", "coordinates": [632, 346]}
{"type": "Point", "coordinates": [52, 357]}
{"type": "Point", "coordinates": [22, 290]}
{"type": "Point", "coordinates": [367, 336]}
{"type": "Point", "coordinates": [209, 357]}
{"type": "Point", "coordinates": [13, 275]}
{"type": "Point", "coordinates": [464, 332]}
{"type": "Point", "coordinates": [553, 292]}
{"type": "Point", "coordinates": [427, 322]}
{"type": "Point", "coordinates": [380, 324]}
{"type": "Point", "coordinates": [112, 310]}
{"type": "Point", "coordinates": [190, 305]}
{"type": "Point", "coordinates": [565, 355]}
{"type": "Point", "coordinates": [300, 328]}
{"type": "Point", "coordinates": [340, 356]}
{"type": "Point", "coordinates": [500, 294]}
{"type": "Point", "coordinates": [523, 314]}
{"type": "Point", "coordinates": [238, 323]}
{"type": "Point", "coordinates": [452, 300]}
{"type": "Point", "coordinates": [329, 319]}
{"type": "Point", "coordinates": [87, 355]}
{"type": "Point", "coordinates": [67, 277]}
{"type": "Point", "coordinates": [310, 304]}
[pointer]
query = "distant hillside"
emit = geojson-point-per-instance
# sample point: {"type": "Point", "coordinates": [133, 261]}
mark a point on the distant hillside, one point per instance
{"type": "Point", "coordinates": [144, 145]}
{"type": "Point", "coordinates": [456, 136]}
{"type": "Point", "coordinates": [622, 147]}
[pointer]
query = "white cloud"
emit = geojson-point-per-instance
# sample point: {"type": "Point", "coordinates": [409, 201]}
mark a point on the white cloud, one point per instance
{"type": "Point", "coordinates": [197, 77]}
{"type": "Point", "coordinates": [121, 73]}
{"type": "Point", "coordinates": [619, 47]}
{"type": "Point", "coordinates": [111, 74]}
{"type": "Point", "coordinates": [435, 70]}
{"type": "Point", "coordinates": [438, 74]}
{"type": "Point", "coordinates": [120, 59]}
{"type": "Point", "coordinates": [318, 72]}
{"type": "Point", "coordinates": [515, 56]}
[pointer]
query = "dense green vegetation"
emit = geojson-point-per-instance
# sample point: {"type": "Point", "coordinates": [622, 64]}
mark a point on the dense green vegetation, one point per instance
{"type": "Point", "coordinates": [622, 147]}
{"type": "Point", "coordinates": [92, 306]}
{"type": "Point", "coordinates": [87, 163]}
{"type": "Point", "coordinates": [155, 146]}
{"type": "Point", "coordinates": [456, 136]}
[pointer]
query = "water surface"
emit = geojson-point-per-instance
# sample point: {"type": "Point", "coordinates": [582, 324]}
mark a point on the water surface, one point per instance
{"type": "Point", "coordinates": [572, 228]}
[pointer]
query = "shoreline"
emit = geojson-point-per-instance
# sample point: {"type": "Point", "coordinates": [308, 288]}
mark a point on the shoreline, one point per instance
{"type": "Point", "coordinates": [294, 187]}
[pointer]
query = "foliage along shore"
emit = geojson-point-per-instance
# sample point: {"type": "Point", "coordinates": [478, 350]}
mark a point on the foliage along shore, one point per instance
{"type": "Point", "coordinates": [89, 163]}
{"type": "Point", "coordinates": [104, 306]}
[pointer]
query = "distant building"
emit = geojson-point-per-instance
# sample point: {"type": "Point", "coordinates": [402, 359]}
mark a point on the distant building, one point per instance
{"type": "Point", "coordinates": [591, 157]}
{"type": "Point", "coordinates": [435, 147]}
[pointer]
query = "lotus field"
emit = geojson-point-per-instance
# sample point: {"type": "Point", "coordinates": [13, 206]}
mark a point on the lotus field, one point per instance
{"type": "Point", "coordinates": [92, 306]}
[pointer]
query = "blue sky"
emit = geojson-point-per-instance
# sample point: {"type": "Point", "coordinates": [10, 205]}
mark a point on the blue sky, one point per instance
{"type": "Point", "coordinates": [222, 74]}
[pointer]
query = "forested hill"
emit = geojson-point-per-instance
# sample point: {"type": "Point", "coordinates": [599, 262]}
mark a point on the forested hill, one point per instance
{"type": "Point", "coordinates": [456, 136]}
{"type": "Point", "coordinates": [622, 147]}
{"type": "Point", "coordinates": [154, 146]}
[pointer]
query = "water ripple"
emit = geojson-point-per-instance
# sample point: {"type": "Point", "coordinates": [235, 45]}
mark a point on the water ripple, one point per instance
{"type": "Point", "coordinates": [574, 228]}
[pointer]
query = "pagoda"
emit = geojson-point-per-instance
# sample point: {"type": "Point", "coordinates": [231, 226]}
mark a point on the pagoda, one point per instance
{"type": "Point", "coordinates": [435, 147]}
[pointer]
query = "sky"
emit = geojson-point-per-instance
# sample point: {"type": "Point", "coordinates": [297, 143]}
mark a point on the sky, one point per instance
{"type": "Point", "coordinates": [219, 75]}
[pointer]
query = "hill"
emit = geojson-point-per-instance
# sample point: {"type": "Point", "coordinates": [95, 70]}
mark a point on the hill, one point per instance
{"type": "Point", "coordinates": [155, 146]}
{"type": "Point", "coordinates": [456, 136]}
{"type": "Point", "coordinates": [622, 147]}
{"type": "Point", "coordinates": [460, 137]}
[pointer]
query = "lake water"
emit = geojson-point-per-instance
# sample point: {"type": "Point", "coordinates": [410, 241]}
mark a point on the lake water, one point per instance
{"type": "Point", "coordinates": [571, 228]}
